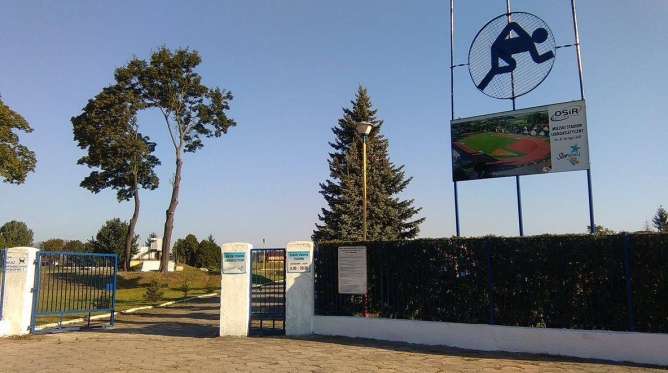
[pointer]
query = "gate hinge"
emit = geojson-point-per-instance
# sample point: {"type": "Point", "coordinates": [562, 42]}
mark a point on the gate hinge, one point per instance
{"type": "Point", "coordinates": [32, 290]}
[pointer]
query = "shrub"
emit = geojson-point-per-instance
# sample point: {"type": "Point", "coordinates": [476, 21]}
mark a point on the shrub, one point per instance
{"type": "Point", "coordinates": [153, 291]}
{"type": "Point", "coordinates": [185, 288]}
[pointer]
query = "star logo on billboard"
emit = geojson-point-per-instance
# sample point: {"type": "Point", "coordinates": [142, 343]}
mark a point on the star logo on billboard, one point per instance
{"type": "Point", "coordinates": [575, 149]}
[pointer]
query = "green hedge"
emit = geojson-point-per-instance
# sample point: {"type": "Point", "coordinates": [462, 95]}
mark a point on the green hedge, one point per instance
{"type": "Point", "coordinates": [572, 281]}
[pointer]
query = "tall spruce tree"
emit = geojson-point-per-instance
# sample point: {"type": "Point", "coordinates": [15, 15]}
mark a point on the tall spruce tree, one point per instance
{"type": "Point", "coordinates": [388, 217]}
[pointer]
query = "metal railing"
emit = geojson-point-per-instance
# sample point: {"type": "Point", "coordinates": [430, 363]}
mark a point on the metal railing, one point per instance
{"type": "Point", "coordinates": [3, 260]}
{"type": "Point", "coordinates": [73, 291]}
{"type": "Point", "coordinates": [591, 282]}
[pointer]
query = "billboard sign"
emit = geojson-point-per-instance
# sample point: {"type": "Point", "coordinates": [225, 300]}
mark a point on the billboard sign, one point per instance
{"type": "Point", "coordinates": [551, 138]}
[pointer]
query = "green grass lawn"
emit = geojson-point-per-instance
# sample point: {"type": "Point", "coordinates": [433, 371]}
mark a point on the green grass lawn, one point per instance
{"type": "Point", "coordinates": [487, 142]}
{"type": "Point", "coordinates": [131, 286]}
{"type": "Point", "coordinates": [65, 291]}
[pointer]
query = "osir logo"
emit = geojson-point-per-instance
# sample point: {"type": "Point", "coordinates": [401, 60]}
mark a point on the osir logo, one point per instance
{"type": "Point", "coordinates": [565, 113]}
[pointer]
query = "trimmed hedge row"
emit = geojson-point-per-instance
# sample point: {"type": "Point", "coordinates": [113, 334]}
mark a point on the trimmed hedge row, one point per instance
{"type": "Point", "coordinates": [591, 282]}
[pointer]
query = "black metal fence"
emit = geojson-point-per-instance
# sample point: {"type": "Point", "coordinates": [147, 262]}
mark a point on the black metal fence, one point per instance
{"type": "Point", "coordinates": [591, 282]}
{"type": "Point", "coordinates": [267, 311]}
{"type": "Point", "coordinates": [72, 290]}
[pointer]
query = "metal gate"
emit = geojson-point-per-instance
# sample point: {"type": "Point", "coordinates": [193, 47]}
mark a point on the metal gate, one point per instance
{"type": "Point", "coordinates": [73, 291]}
{"type": "Point", "coordinates": [267, 292]}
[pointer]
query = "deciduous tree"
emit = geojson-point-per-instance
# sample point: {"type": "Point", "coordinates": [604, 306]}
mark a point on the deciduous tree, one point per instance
{"type": "Point", "coordinates": [191, 110]}
{"type": "Point", "coordinates": [208, 254]}
{"type": "Point", "coordinates": [16, 160]}
{"type": "Point", "coordinates": [16, 233]}
{"type": "Point", "coordinates": [77, 246]}
{"type": "Point", "coordinates": [53, 244]}
{"type": "Point", "coordinates": [121, 156]}
{"type": "Point", "coordinates": [186, 249]}
{"type": "Point", "coordinates": [110, 239]}
{"type": "Point", "coordinates": [389, 217]}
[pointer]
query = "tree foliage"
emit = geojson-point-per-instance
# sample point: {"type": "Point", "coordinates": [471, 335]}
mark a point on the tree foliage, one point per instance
{"type": "Point", "coordinates": [148, 241]}
{"type": "Point", "coordinates": [16, 233]}
{"type": "Point", "coordinates": [121, 156]}
{"type": "Point", "coordinates": [59, 244]}
{"type": "Point", "coordinates": [601, 230]}
{"type": "Point", "coordinates": [77, 246]}
{"type": "Point", "coordinates": [53, 244]}
{"type": "Point", "coordinates": [185, 249]}
{"type": "Point", "coordinates": [108, 129]}
{"type": "Point", "coordinates": [16, 160]}
{"type": "Point", "coordinates": [660, 220]}
{"type": "Point", "coordinates": [110, 239]}
{"type": "Point", "coordinates": [191, 110]}
{"type": "Point", "coordinates": [388, 217]}
{"type": "Point", "coordinates": [208, 254]}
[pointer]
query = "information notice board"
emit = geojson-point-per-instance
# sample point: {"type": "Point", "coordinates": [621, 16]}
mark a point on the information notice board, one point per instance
{"type": "Point", "coordinates": [352, 270]}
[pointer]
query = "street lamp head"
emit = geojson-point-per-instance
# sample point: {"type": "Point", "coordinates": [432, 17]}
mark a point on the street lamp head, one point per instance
{"type": "Point", "coordinates": [364, 128]}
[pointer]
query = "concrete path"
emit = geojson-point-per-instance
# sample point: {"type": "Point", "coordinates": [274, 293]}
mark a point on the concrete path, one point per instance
{"type": "Point", "coordinates": [184, 338]}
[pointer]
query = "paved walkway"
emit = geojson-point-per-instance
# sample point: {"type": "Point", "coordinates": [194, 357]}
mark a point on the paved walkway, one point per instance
{"type": "Point", "coordinates": [184, 338]}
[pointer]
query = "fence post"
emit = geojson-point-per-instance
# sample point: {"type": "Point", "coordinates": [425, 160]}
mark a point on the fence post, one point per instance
{"type": "Point", "coordinates": [627, 274]}
{"type": "Point", "coordinates": [18, 297]}
{"type": "Point", "coordinates": [235, 280]}
{"type": "Point", "coordinates": [317, 294]}
{"type": "Point", "coordinates": [3, 260]}
{"type": "Point", "coordinates": [299, 299]}
{"type": "Point", "coordinates": [382, 279]}
{"type": "Point", "coordinates": [488, 246]}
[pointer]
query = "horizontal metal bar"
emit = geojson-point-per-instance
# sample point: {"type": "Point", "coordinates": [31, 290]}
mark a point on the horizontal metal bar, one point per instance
{"type": "Point", "coordinates": [40, 253]}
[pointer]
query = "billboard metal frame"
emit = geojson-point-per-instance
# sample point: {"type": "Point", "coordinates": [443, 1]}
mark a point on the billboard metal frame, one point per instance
{"type": "Point", "coordinates": [517, 178]}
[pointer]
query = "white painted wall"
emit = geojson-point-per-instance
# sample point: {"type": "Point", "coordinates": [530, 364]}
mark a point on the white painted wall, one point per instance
{"type": "Point", "coordinates": [235, 294]}
{"type": "Point", "coordinates": [19, 280]}
{"type": "Point", "coordinates": [643, 348]}
{"type": "Point", "coordinates": [299, 300]}
{"type": "Point", "coordinates": [154, 265]}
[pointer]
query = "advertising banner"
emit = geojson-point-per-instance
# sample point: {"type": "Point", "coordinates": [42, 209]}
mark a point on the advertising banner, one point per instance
{"type": "Point", "coordinates": [551, 138]}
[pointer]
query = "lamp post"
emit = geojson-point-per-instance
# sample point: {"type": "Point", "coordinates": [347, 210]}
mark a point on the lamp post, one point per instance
{"type": "Point", "coordinates": [364, 128]}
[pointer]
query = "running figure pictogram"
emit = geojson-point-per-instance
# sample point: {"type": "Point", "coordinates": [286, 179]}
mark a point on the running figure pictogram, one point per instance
{"type": "Point", "coordinates": [505, 46]}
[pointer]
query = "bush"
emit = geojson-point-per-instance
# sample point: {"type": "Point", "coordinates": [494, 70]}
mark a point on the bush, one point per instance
{"type": "Point", "coordinates": [211, 286]}
{"type": "Point", "coordinates": [153, 291]}
{"type": "Point", "coordinates": [185, 288]}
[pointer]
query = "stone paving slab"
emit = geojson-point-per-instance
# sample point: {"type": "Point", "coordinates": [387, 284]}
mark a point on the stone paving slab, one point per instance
{"type": "Point", "coordinates": [184, 338]}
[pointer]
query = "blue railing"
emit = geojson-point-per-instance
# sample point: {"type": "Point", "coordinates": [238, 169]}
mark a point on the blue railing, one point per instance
{"type": "Point", "coordinates": [3, 260]}
{"type": "Point", "coordinates": [73, 291]}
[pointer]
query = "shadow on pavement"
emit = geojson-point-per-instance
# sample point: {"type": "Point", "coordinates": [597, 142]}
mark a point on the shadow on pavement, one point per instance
{"type": "Point", "coordinates": [199, 318]}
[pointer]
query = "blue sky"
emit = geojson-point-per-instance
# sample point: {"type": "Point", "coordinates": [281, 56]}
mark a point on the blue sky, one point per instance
{"type": "Point", "coordinates": [292, 65]}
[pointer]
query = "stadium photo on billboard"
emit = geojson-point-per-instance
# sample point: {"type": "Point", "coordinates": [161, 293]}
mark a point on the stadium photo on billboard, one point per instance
{"type": "Point", "coordinates": [520, 142]}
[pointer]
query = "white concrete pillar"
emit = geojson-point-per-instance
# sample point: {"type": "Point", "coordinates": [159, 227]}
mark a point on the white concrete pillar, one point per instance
{"type": "Point", "coordinates": [299, 297]}
{"type": "Point", "coordinates": [235, 278]}
{"type": "Point", "coordinates": [17, 300]}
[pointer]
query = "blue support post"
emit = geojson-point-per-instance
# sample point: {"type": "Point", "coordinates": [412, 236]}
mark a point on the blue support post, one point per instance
{"type": "Point", "coordinates": [519, 206]}
{"type": "Point", "coordinates": [456, 210]}
{"type": "Point", "coordinates": [35, 291]}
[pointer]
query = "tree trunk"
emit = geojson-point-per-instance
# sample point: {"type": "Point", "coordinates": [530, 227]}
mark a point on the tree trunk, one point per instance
{"type": "Point", "coordinates": [169, 222]}
{"type": "Point", "coordinates": [131, 228]}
